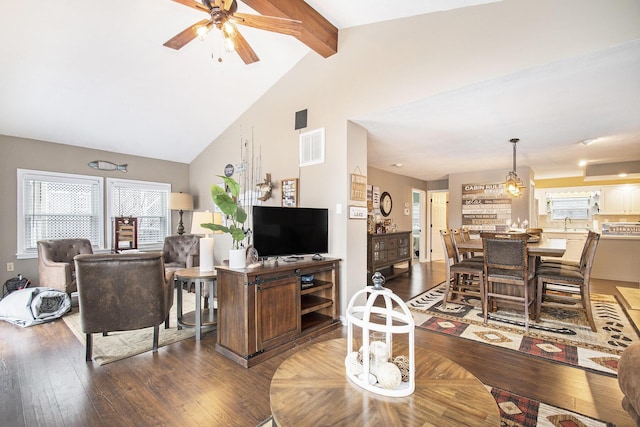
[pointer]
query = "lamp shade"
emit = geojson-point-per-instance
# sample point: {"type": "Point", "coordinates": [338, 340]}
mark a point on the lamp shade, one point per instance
{"type": "Point", "coordinates": [180, 201]}
{"type": "Point", "coordinates": [201, 218]}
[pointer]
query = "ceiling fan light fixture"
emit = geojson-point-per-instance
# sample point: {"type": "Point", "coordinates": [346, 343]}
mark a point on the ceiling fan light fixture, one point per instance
{"type": "Point", "coordinates": [229, 46]}
{"type": "Point", "coordinates": [228, 28]}
{"type": "Point", "coordinates": [202, 32]}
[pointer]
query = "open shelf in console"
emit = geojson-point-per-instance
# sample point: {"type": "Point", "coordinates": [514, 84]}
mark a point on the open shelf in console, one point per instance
{"type": "Point", "coordinates": [309, 303]}
{"type": "Point", "coordinates": [313, 319]}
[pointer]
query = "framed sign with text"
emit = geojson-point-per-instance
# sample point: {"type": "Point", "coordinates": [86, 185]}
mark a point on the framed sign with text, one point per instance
{"type": "Point", "coordinates": [484, 206]}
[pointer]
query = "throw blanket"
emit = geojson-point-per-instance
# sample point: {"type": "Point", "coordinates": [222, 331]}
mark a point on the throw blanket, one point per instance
{"type": "Point", "coordinates": [30, 306]}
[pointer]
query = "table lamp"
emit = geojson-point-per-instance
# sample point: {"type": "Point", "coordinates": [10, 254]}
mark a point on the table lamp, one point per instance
{"type": "Point", "coordinates": [180, 202]}
{"type": "Point", "coordinates": [206, 242]}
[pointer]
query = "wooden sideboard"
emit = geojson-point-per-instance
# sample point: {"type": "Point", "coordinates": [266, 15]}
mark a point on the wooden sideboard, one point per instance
{"type": "Point", "coordinates": [264, 311]}
{"type": "Point", "coordinates": [385, 250]}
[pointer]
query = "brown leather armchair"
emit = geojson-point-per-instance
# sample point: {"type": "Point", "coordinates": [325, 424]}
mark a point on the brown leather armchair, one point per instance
{"type": "Point", "coordinates": [122, 292]}
{"type": "Point", "coordinates": [55, 262]}
{"type": "Point", "coordinates": [629, 381]}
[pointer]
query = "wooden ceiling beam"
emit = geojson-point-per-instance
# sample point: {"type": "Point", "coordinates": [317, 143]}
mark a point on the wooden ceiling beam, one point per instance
{"type": "Point", "coordinates": [317, 33]}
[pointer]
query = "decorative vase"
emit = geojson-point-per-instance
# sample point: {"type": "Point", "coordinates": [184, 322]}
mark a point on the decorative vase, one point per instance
{"type": "Point", "coordinates": [237, 258]}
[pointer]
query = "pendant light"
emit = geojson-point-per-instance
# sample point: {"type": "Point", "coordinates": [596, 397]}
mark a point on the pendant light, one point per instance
{"type": "Point", "coordinates": [513, 183]}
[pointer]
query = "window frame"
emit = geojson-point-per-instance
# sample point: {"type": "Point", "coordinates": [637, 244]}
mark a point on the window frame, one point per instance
{"type": "Point", "coordinates": [47, 176]}
{"type": "Point", "coordinates": [112, 184]}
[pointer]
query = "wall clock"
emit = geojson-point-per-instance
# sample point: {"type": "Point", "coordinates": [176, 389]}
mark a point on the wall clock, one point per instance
{"type": "Point", "coordinates": [385, 204]}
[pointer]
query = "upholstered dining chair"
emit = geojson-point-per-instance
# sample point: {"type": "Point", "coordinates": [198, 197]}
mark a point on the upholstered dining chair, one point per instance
{"type": "Point", "coordinates": [122, 292]}
{"type": "Point", "coordinates": [55, 262]}
{"type": "Point", "coordinates": [506, 272]}
{"type": "Point", "coordinates": [464, 278]}
{"type": "Point", "coordinates": [566, 287]}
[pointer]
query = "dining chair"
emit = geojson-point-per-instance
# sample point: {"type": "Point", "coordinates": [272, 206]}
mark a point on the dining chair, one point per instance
{"type": "Point", "coordinates": [466, 237]}
{"type": "Point", "coordinates": [462, 254]}
{"type": "Point", "coordinates": [567, 288]}
{"type": "Point", "coordinates": [464, 278]}
{"type": "Point", "coordinates": [534, 231]}
{"type": "Point", "coordinates": [570, 264]}
{"type": "Point", "coordinates": [507, 275]}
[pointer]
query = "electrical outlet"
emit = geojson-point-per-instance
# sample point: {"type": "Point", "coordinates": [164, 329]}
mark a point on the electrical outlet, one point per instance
{"type": "Point", "coordinates": [9, 266]}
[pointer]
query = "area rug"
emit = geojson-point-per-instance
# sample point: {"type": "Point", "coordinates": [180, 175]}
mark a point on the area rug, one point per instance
{"type": "Point", "coordinates": [120, 345]}
{"type": "Point", "coordinates": [562, 336]}
{"type": "Point", "coordinates": [519, 411]}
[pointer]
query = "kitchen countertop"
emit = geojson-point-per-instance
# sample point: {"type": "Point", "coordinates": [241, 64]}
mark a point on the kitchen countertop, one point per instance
{"type": "Point", "coordinates": [568, 230]}
{"type": "Point", "coordinates": [586, 230]}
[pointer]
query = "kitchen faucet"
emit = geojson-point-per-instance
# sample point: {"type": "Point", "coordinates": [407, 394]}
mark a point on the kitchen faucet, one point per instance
{"type": "Point", "coordinates": [565, 222]}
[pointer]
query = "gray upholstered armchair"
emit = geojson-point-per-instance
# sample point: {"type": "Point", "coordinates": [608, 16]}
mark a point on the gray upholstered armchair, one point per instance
{"type": "Point", "coordinates": [180, 252]}
{"type": "Point", "coordinates": [55, 262]}
{"type": "Point", "coordinates": [122, 292]}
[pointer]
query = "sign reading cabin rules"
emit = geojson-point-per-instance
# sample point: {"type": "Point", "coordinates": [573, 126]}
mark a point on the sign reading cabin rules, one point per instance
{"type": "Point", "coordinates": [484, 206]}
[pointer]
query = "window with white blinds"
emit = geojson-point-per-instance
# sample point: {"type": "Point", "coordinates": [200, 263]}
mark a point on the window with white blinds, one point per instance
{"type": "Point", "coordinates": [146, 201]}
{"type": "Point", "coordinates": [570, 207]}
{"type": "Point", "coordinates": [58, 206]}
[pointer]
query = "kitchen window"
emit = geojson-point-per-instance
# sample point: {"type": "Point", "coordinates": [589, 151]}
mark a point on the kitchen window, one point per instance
{"type": "Point", "coordinates": [571, 206]}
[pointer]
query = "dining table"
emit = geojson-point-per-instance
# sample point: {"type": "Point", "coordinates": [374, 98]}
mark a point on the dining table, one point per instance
{"type": "Point", "coordinates": [536, 248]}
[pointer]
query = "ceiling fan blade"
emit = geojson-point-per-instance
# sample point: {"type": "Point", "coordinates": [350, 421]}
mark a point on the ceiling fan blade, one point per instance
{"type": "Point", "coordinates": [184, 37]}
{"type": "Point", "coordinates": [290, 27]}
{"type": "Point", "coordinates": [193, 4]}
{"type": "Point", "coordinates": [242, 47]}
{"type": "Point", "coordinates": [226, 4]}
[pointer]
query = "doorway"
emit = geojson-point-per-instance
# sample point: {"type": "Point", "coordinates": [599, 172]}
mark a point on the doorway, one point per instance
{"type": "Point", "coordinates": [418, 224]}
{"type": "Point", "coordinates": [438, 216]}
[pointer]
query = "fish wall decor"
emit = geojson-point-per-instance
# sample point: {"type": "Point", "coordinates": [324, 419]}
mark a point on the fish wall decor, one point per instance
{"type": "Point", "coordinates": [107, 166]}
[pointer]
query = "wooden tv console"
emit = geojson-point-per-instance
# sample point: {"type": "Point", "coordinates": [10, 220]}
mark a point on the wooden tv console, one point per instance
{"type": "Point", "coordinates": [264, 311]}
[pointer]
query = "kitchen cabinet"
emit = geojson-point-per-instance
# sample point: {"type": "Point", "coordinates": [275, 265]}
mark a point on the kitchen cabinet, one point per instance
{"type": "Point", "coordinates": [621, 199]}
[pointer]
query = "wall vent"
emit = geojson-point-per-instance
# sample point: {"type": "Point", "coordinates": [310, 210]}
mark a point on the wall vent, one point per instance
{"type": "Point", "coordinates": [312, 147]}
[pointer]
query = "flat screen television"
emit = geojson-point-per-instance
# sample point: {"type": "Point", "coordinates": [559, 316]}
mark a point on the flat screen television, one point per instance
{"type": "Point", "coordinates": [279, 231]}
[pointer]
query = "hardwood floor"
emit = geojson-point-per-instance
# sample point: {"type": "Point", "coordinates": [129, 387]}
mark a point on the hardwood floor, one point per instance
{"type": "Point", "coordinates": [44, 380]}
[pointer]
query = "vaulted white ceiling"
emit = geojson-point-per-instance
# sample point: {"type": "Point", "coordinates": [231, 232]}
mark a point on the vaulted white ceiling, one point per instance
{"type": "Point", "coordinates": [96, 75]}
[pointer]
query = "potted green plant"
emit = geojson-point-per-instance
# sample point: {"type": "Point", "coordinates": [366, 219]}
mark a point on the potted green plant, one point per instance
{"type": "Point", "coordinates": [227, 200]}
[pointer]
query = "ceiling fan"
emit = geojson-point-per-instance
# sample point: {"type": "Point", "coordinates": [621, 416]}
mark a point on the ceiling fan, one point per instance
{"type": "Point", "coordinates": [222, 15]}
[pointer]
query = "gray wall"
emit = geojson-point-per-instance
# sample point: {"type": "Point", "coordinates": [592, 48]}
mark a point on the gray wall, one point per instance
{"type": "Point", "coordinates": [20, 153]}
{"type": "Point", "coordinates": [400, 188]}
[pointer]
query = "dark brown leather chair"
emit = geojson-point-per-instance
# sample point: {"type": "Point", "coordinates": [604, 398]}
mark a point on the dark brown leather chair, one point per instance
{"type": "Point", "coordinates": [55, 262]}
{"type": "Point", "coordinates": [629, 381]}
{"type": "Point", "coordinates": [122, 292]}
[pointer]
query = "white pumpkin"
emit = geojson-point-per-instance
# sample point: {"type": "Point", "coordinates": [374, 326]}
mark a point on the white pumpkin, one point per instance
{"type": "Point", "coordinates": [353, 366]}
{"type": "Point", "coordinates": [389, 376]}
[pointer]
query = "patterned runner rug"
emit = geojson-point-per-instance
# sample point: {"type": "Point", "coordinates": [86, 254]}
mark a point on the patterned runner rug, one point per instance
{"type": "Point", "coordinates": [562, 336]}
{"type": "Point", "coordinates": [519, 411]}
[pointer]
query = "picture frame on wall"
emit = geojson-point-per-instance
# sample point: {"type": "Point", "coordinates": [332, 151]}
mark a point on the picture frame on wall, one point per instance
{"type": "Point", "coordinates": [290, 192]}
